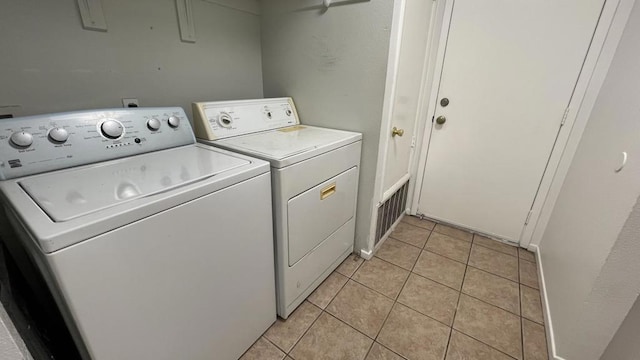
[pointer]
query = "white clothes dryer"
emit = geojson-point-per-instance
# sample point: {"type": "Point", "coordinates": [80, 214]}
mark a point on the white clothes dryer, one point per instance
{"type": "Point", "coordinates": [152, 246]}
{"type": "Point", "coordinates": [315, 184]}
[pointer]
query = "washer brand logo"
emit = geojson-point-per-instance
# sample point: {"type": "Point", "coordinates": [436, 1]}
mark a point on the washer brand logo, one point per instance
{"type": "Point", "coordinates": [15, 163]}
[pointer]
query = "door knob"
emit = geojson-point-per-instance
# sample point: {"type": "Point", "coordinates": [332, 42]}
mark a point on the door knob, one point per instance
{"type": "Point", "coordinates": [441, 120]}
{"type": "Point", "coordinates": [395, 131]}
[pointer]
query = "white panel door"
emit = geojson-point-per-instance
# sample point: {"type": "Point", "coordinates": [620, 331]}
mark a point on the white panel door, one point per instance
{"type": "Point", "coordinates": [411, 61]}
{"type": "Point", "coordinates": [509, 71]}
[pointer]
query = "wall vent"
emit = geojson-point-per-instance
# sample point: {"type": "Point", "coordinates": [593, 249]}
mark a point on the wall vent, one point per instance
{"type": "Point", "coordinates": [390, 211]}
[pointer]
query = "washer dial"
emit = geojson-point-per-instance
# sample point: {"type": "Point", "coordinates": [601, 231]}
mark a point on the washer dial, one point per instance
{"type": "Point", "coordinates": [153, 124]}
{"type": "Point", "coordinates": [21, 139]}
{"type": "Point", "coordinates": [58, 135]}
{"type": "Point", "coordinates": [112, 129]}
{"type": "Point", "coordinates": [173, 121]}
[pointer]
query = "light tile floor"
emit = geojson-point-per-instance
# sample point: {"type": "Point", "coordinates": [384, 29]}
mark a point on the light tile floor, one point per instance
{"type": "Point", "coordinates": [430, 292]}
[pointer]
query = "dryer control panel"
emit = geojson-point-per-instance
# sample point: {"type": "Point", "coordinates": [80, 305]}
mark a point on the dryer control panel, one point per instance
{"type": "Point", "coordinates": [223, 119]}
{"type": "Point", "coordinates": [41, 143]}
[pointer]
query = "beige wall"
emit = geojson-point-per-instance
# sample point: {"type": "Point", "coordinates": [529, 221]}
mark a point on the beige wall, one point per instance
{"type": "Point", "coordinates": [49, 63]}
{"type": "Point", "coordinates": [589, 250]}
{"type": "Point", "coordinates": [333, 64]}
{"type": "Point", "coordinates": [625, 344]}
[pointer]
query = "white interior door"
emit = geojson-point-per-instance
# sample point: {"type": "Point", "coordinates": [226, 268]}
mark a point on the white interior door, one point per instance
{"type": "Point", "coordinates": [411, 62]}
{"type": "Point", "coordinates": [509, 71]}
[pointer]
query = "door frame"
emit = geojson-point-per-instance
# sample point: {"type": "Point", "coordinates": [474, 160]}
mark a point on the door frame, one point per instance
{"type": "Point", "coordinates": [604, 42]}
{"type": "Point", "coordinates": [380, 194]}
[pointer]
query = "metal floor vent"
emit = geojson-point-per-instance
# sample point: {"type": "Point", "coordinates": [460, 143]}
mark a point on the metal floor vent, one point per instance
{"type": "Point", "coordinates": [390, 211]}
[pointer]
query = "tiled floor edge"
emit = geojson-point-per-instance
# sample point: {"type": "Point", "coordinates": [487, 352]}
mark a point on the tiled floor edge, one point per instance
{"type": "Point", "coordinates": [404, 242]}
{"type": "Point", "coordinates": [502, 242]}
{"type": "Point", "coordinates": [548, 323]}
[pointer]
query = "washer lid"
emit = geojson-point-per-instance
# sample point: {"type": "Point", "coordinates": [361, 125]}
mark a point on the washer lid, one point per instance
{"type": "Point", "coordinates": [70, 194]}
{"type": "Point", "coordinates": [289, 141]}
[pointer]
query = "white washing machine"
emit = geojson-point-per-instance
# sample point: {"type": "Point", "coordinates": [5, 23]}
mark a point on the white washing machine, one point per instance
{"type": "Point", "coordinates": [314, 173]}
{"type": "Point", "coordinates": [151, 245]}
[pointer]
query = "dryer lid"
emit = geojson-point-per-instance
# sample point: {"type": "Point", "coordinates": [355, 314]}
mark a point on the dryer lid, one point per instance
{"type": "Point", "coordinates": [69, 194]}
{"type": "Point", "coordinates": [289, 141]}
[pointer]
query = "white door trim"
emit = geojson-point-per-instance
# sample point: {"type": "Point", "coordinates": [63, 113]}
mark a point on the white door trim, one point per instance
{"type": "Point", "coordinates": [423, 122]}
{"type": "Point", "coordinates": [380, 193]}
{"type": "Point", "coordinates": [430, 103]}
{"type": "Point", "coordinates": [604, 44]}
{"type": "Point", "coordinates": [605, 40]}
{"type": "Point", "coordinates": [387, 110]}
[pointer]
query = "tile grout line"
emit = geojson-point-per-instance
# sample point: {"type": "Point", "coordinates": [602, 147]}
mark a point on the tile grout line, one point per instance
{"type": "Point", "coordinates": [378, 292]}
{"type": "Point", "coordinates": [321, 311]}
{"type": "Point", "coordinates": [340, 320]}
{"type": "Point", "coordinates": [524, 317]}
{"type": "Point", "coordinates": [461, 292]}
{"type": "Point", "coordinates": [270, 342]}
{"type": "Point", "coordinates": [521, 321]}
{"type": "Point", "coordinates": [406, 243]}
{"type": "Point", "coordinates": [482, 342]}
{"type": "Point", "coordinates": [455, 312]}
{"type": "Point", "coordinates": [448, 286]}
{"type": "Point", "coordinates": [395, 300]}
{"type": "Point", "coordinates": [501, 252]}
{"type": "Point", "coordinates": [517, 267]}
{"type": "Point", "coordinates": [416, 226]}
{"type": "Point", "coordinates": [354, 271]}
{"type": "Point", "coordinates": [490, 273]}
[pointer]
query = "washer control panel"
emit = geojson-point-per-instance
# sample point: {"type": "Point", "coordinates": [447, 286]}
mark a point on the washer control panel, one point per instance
{"type": "Point", "coordinates": [41, 143]}
{"type": "Point", "coordinates": [223, 119]}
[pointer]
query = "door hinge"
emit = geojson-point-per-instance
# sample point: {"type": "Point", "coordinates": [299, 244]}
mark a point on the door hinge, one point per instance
{"type": "Point", "coordinates": [564, 116]}
{"type": "Point", "coordinates": [526, 222]}
{"type": "Point", "coordinates": [413, 141]}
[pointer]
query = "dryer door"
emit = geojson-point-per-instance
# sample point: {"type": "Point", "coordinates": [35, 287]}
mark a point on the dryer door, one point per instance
{"type": "Point", "coordinates": [318, 212]}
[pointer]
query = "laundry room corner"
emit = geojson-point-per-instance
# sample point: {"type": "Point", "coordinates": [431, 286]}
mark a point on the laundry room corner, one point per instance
{"type": "Point", "coordinates": [320, 180]}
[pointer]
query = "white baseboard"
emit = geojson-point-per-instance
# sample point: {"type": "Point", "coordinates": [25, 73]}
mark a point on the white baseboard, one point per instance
{"type": "Point", "coordinates": [548, 324]}
{"type": "Point", "coordinates": [367, 255]}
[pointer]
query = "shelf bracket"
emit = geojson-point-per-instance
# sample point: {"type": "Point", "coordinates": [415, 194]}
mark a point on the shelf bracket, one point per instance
{"type": "Point", "coordinates": [92, 15]}
{"type": "Point", "coordinates": [186, 21]}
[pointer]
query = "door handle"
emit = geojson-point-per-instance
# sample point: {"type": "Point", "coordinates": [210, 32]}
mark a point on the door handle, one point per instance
{"type": "Point", "coordinates": [328, 191]}
{"type": "Point", "coordinates": [395, 131]}
{"type": "Point", "coordinates": [441, 120]}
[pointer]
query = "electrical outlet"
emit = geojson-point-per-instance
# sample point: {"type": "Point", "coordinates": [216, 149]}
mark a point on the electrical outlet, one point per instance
{"type": "Point", "coordinates": [130, 102]}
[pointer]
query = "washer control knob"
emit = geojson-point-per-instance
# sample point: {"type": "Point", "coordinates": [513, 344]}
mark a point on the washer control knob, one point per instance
{"type": "Point", "coordinates": [153, 124]}
{"type": "Point", "coordinates": [173, 121]}
{"type": "Point", "coordinates": [225, 120]}
{"type": "Point", "coordinates": [21, 139]}
{"type": "Point", "coordinates": [112, 129]}
{"type": "Point", "coordinates": [58, 135]}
